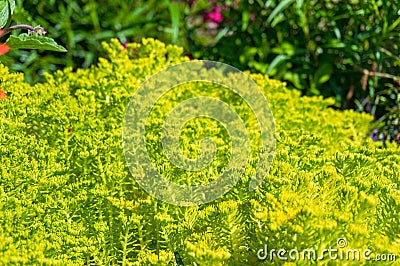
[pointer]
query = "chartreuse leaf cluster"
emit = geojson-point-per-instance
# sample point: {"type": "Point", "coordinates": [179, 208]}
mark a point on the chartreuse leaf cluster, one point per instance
{"type": "Point", "coordinates": [67, 196]}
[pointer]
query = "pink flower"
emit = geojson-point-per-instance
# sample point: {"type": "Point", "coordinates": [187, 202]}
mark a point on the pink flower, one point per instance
{"type": "Point", "coordinates": [215, 15]}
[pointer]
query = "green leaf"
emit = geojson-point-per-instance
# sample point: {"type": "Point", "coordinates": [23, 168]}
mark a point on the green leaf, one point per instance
{"type": "Point", "coordinates": [25, 41]}
{"type": "Point", "coordinates": [334, 43]}
{"type": "Point", "coordinates": [261, 67]}
{"type": "Point", "coordinates": [6, 10]}
{"type": "Point", "coordinates": [336, 30]}
{"type": "Point", "coordinates": [299, 3]}
{"type": "Point", "coordinates": [175, 18]}
{"type": "Point", "coordinates": [282, 5]}
{"type": "Point", "coordinates": [284, 48]}
{"type": "Point", "coordinates": [323, 73]}
{"type": "Point", "coordinates": [395, 23]}
{"type": "Point", "coordinates": [277, 60]}
{"type": "Point", "coordinates": [245, 20]}
{"type": "Point", "coordinates": [221, 34]}
{"type": "Point", "coordinates": [278, 19]}
{"type": "Point", "coordinates": [293, 78]}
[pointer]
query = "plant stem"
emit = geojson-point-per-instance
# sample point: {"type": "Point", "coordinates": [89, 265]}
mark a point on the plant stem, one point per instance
{"type": "Point", "coordinates": [378, 74]}
{"type": "Point", "coordinates": [16, 27]}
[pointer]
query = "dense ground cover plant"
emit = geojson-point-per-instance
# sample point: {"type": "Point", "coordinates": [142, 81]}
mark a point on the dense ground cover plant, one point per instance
{"type": "Point", "coordinates": [348, 50]}
{"type": "Point", "coordinates": [67, 198]}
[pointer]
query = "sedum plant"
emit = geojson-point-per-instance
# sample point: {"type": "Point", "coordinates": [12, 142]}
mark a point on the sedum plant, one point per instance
{"type": "Point", "coordinates": [67, 197]}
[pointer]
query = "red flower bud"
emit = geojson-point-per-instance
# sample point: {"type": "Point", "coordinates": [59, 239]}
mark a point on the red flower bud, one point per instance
{"type": "Point", "coordinates": [4, 48]}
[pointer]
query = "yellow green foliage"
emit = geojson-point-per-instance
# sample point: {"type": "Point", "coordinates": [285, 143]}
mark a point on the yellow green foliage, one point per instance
{"type": "Point", "coordinates": [67, 197]}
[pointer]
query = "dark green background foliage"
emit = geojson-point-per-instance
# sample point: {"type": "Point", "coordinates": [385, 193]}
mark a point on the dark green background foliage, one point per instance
{"type": "Point", "coordinates": [348, 50]}
{"type": "Point", "coordinates": [318, 46]}
{"type": "Point", "coordinates": [67, 197]}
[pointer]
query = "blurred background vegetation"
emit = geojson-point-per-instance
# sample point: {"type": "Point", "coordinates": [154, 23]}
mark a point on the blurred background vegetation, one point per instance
{"type": "Point", "coordinates": [345, 49]}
